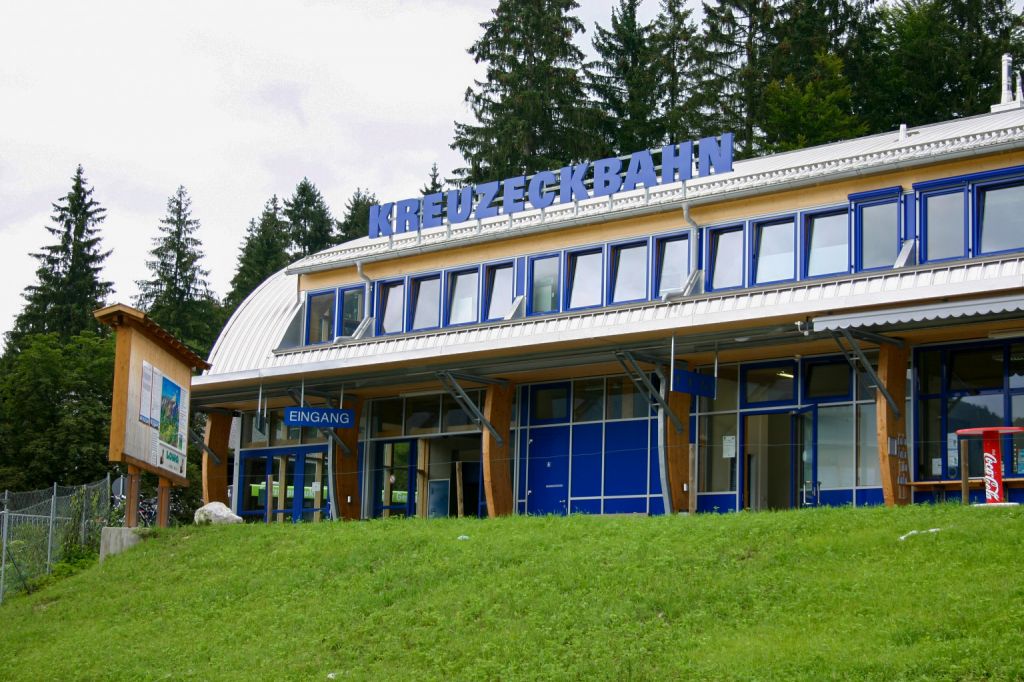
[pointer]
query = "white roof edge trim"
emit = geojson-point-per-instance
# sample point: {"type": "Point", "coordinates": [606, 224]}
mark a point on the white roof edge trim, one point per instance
{"type": "Point", "coordinates": [921, 313]}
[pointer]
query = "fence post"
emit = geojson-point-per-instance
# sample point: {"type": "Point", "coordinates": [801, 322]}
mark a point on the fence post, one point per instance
{"type": "Point", "coordinates": [3, 556]}
{"type": "Point", "coordinates": [85, 498]}
{"type": "Point", "coordinates": [49, 539]}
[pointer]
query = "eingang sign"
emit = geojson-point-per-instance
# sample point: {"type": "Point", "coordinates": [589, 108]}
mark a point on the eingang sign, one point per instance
{"type": "Point", "coordinates": [541, 190]}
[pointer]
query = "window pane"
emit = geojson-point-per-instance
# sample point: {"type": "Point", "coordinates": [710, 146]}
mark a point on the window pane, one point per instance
{"type": "Point", "coordinates": [865, 386]}
{"type": "Point", "coordinates": [549, 403]}
{"type": "Point", "coordinates": [828, 244]}
{"type": "Point", "coordinates": [717, 458]}
{"type": "Point", "coordinates": [775, 252]}
{"type": "Point", "coordinates": [426, 301]}
{"type": "Point", "coordinates": [878, 235]}
{"type": "Point", "coordinates": [499, 297]}
{"type": "Point", "coordinates": [973, 370]}
{"type": "Point", "coordinates": [673, 264]}
{"type": "Point", "coordinates": [252, 434]}
{"type": "Point", "coordinates": [945, 226]}
{"type": "Point", "coordinates": [1000, 210]}
{"type": "Point", "coordinates": [585, 279]}
{"type": "Point", "coordinates": [321, 318]}
{"type": "Point", "coordinates": [968, 412]}
{"type": "Point", "coordinates": [462, 302]}
{"type": "Point", "coordinates": [625, 401]}
{"type": "Point", "coordinates": [352, 311]}
{"type": "Point", "coordinates": [280, 433]}
{"type": "Point", "coordinates": [387, 418]}
{"type": "Point", "coordinates": [726, 389]}
{"type": "Point", "coordinates": [727, 252]}
{"type": "Point", "coordinates": [929, 371]}
{"type": "Point", "coordinates": [391, 299]}
{"type": "Point", "coordinates": [1017, 366]}
{"type": "Point", "coordinates": [828, 380]}
{"type": "Point", "coordinates": [835, 446]}
{"type": "Point", "coordinates": [587, 400]}
{"type": "Point", "coordinates": [454, 417]}
{"type": "Point", "coordinates": [422, 414]}
{"type": "Point", "coordinates": [1017, 454]}
{"type": "Point", "coordinates": [769, 384]}
{"type": "Point", "coordinates": [544, 286]}
{"type": "Point", "coordinates": [868, 472]}
{"type": "Point", "coordinates": [629, 264]}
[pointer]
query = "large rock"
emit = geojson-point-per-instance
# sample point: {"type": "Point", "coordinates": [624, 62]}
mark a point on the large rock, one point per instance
{"type": "Point", "coordinates": [216, 512]}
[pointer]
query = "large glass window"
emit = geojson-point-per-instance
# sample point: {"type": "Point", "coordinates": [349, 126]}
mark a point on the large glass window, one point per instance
{"type": "Point", "coordinates": [673, 264]}
{"type": "Point", "coordinates": [391, 308]}
{"type": "Point", "coordinates": [726, 389]}
{"type": "Point", "coordinates": [976, 369]}
{"type": "Point", "coordinates": [727, 258]}
{"type": "Point", "coordinates": [321, 317]}
{"type": "Point", "coordinates": [629, 273]}
{"type": "Point", "coordinates": [425, 300]}
{"type": "Point", "coordinates": [544, 285]}
{"type": "Point", "coordinates": [945, 226]}
{"type": "Point", "coordinates": [718, 450]}
{"type": "Point", "coordinates": [462, 296]}
{"type": "Point", "coordinates": [587, 400]}
{"type": "Point", "coordinates": [878, 234]}
{"type": "Point", "coordinates": [352, 308]}
{"type": "Point", "coordinates": [769, 384]}
{"type": "Point", "coordinates": [835, 456]}
{"type": "Point", "coordinates": [828, 244]}
{"type": "Point", "coordinates": [584, 281]}
{"type": "Point", "coordinates": [624, 400]}
{"type": "Point", "coordinates": [549, 403]}
{"type": "Point", "coordinates": [774, 251]}
{"type": "Point", "coordinates": [422, 414]}
{"type": "Point", "coordinates": [828, 380]}
{"type": "Point", "coordinates": [999, 217]}
{"type": "Point", "coordinates": [499, 291]}
{"type": "Point", "coordinates": [868, 466]}
{"type": "Point", "coordinates": [387, 418]}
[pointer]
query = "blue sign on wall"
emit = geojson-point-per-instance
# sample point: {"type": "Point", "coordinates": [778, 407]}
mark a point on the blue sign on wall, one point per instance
{"type": "Point", "coordinates": [685, 381]}
{"type": "Point", "coordinates": [542, 189]}
{"type": "Point", "coordinates": [319, 417]}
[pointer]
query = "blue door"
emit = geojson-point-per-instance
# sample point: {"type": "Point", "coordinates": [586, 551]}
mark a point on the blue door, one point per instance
{"type": "Point", "coordinates": [547, 489]}
{"type": "Point", "coordinates": [284, 484]}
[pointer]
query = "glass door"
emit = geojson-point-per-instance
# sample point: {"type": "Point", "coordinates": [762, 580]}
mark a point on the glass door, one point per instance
{"type": "Point", "coordinates": [805, 456]}
{"type": "Point", "coordinates": [394, 479]}
{"type": "Point", "coordinates": [284, 485]}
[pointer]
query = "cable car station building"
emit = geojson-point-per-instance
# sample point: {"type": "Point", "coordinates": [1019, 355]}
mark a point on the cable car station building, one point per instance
{"type": "Point", "coordinates": [666, 332]}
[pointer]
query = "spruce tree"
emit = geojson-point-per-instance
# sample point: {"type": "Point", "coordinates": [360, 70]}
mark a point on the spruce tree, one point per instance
{"type": "Point", "coordinates": [625, 80]}
{"type": "Point", "coordinates": [531, 109]}
{"type": "Point", "coordinates": [434, 184]}
{"type": "Point", "coordinates": [356, 222]}
{"type": "Point", "coordinates": [68, 284]}
{"type": "Point", "coordinates": [177, 294]}
{"type": "Point", "coordinates": [674, 40]}
{"type": "Point", "coordinates": [264, 251]}
{"type": "Point", "coordinates": [312, 226]}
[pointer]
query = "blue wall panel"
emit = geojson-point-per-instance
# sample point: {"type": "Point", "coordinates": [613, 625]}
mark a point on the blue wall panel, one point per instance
{"type": "Point", "coordinates": [657, 506]}
{"type": "Point", "coordinates": [835, 498]}
{"type": "Point", "coordinates": [628, 505]}
{"type": "Point", "coordinates": [718, 502]}
{"type": "Point", "coordinates": [524, 439]}
{"type": "Point", "coordinates": [1015, 495]}
{"type": "Point", "coordinates": [585, 507]}
{"type": "Point", "coordinates": [868, 496]}
{"type": "Point", "coordinates": [586, 460]}
{"type": "Point", "coordinates": [548, 479]}
{"type": "Point", "coordinates": [655, 467]}
{"type": "Point", "coordinates": [625, 458]}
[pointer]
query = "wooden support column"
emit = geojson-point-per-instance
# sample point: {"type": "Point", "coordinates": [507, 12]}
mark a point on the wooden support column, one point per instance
{"type": "Point", "coordinates": [131, 501]}
{"type": "Point", "coordinates": [893, 450]}
{"type": "Point", "coordinates": [215, 476]}
{"type": "Point", "coordinates": [163, 503]}
{"type": "Point", "coordinates": [677, 452]}
{"type": "Point", "coordinates": [346, 468]}
{"type": "Point", "coordinates": [497, 459]}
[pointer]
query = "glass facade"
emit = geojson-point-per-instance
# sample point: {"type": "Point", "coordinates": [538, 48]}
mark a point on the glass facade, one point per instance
{"type": "Point", "coordinates": [585, 273]}
{"type": "Point", "coordinates": [544, 285]}
{"type": "Point", "coordinates": [828, 244]}
{"type": "Point", "coordinates": [426, 303]}
{"type": "Point", "coordinates": [944, 217]}
{"type": "Point", "coordinates": [727, 259]}
{"type": "Point", "coordinates": [462, 297]}
{"type": "Point", "coordinates": [321, 317]}
{"type": "Point", "coordinates": [999, 212]}
{"type": "Point", "coordinates": [673, 264]}
{"type": "Point", "coordinates": [392, 309]}
{"type": "Point", "coordinates": [879, 234]}
{"type": "Point", "coordinates": [774, 251]}
{"type": "Point", "coordinates": [629, 273]}
{"type": "Point", "coordinates": [499, 291]}
{"type": "Point", "coordinates": [352, 307]}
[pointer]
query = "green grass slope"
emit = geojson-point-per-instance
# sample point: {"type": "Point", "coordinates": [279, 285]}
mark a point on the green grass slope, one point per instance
{"type": "Point", "coordinates": [813, 594]}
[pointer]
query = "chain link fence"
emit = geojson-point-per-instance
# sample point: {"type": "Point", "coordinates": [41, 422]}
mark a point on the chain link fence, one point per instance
{"type": "Point", "coordinates": [40, 528]}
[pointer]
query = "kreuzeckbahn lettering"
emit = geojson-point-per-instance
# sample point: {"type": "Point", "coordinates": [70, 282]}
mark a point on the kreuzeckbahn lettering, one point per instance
{"type": "Point", "coordinates": [319, 417]}
{"type": "Point", "coordinates": [542, 189]}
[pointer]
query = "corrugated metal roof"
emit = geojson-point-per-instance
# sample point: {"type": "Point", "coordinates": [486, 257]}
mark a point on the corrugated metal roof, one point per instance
{"type": "Point", "coordinates": [246, 348]}
{"type": "Point", "coordinates": [922, 313]}
{"type": "Point", "coordinates": [924, 144]}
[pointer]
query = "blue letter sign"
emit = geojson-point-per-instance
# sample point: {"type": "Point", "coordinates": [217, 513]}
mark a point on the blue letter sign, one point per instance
{"type": "Point", "coordinates": [319, 417]}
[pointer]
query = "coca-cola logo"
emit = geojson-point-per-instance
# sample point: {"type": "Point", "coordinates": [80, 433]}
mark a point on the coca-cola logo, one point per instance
{"type": "Point", "coordinates": [992, 491]}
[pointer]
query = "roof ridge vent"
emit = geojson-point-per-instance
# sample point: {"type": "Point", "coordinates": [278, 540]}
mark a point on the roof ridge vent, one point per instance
{"type": "Point", "coordinates": [1010, 97]}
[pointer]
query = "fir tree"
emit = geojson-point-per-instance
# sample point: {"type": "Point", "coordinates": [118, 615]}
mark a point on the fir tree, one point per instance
{"type": "Point", "coordinates": [674, 40]}
{"type": "Point", "coordinates": [434, 184]}
{"type": "Point", "coordinates": [356, 222]}
{"type": "Point", "coordinates": [264, 251]}
{"type": "Point", "coordinates": [312, 226]}
{"type": "Point", "coordinates": [68, 284]}
{"type": "Point", "coordinates": [625, 80]}
{"type": "Point", "coordinates": [531, 109]}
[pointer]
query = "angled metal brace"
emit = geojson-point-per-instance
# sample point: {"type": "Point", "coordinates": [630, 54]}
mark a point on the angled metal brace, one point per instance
{"type": "Point", "coordinates": [875, 338]}
{"type": "Point", "coordinates": [328, 432]}
{"type": "Point", "coordinates": [865, 364]}
{"type": "Point", "coordinates": [644, 385]}
{"type": "Point", "coordinates": [451, 385]}
{"type": "Point", "coordinates": [477, 379]}
{"type": "Point", "coordinates": [198, 441]}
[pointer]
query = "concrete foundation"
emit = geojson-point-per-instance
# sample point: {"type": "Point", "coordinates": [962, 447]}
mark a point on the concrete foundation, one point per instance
{"type": "Point", "coordinates": [114, 540]}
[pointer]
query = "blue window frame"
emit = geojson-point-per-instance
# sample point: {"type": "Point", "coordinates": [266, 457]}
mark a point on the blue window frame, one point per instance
{"type": "Point", "coordinates": [944, 224]}
{"type": "Point", "coordinates": [672, 263]}
{"type": "Point", "coordinates": [877, 237]}
{"type": "Point", "coordinates": [463, 297]}
{"type": "Point", "coordinates": [499, 290]}
{"type": "Point", "coordinates": [321, 310]}
{"type": "Point", "coordinates": [424, 303]}
{"type": "Point", "coordinates": [998, 208]}
{"type": "Point", "coordinates": [391, 307]}
{"type": "Point", "coordinates": [767, 384]}
{"type": "Point", "coordinates": [826, 380]}
{"type": "Point", "coordinates": [584, 277]}
{"type": "Point", "coordinates": [773, 251]}
{"type": "Point", "coordinates": [627, 272]}
{"type": "Point", "coordinates": [543, 294]}
{"type": "Point", "coordinates": [826, 243]}
{"type": "Point", "coordinates": [353, 309]}
{"type": "Point", "coordinates": [725, 258]}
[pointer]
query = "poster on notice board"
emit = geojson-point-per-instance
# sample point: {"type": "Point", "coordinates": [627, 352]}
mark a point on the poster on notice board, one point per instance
{"type": "Point", "coordinates": [163, 410]}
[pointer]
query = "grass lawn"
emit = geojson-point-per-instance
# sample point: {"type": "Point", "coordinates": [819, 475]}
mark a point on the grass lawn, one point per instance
{"type": "Point", "coordinates": [811, 594]}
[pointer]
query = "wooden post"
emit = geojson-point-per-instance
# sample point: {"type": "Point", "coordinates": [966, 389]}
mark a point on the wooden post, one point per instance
{"type": "Point", "coordinates": [497, 458]}
{"type": "Point", "coordinates": [131, 498]}
{"type": "Point", "coordinates": [346, 469]}
{"type": "Point", "coordinates": [215, 476]}
{"type": "Point", "coordinates": [677, 452]}
{"type": "Point", "coordinates": [422, 473]}
{"type": "Point", "coordinates": [458, 488]}
{"type": "Point", "coordinates": [163, 503]}
{"type": "Point", "coordinates": [893, 451]}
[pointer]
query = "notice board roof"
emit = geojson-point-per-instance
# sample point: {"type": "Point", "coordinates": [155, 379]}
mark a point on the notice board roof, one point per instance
{"type": "Point", "coordinates": [119, 314]}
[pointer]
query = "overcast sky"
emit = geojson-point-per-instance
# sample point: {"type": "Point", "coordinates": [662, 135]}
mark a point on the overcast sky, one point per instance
{"type": "Point", "coordinates": [235, 100]}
